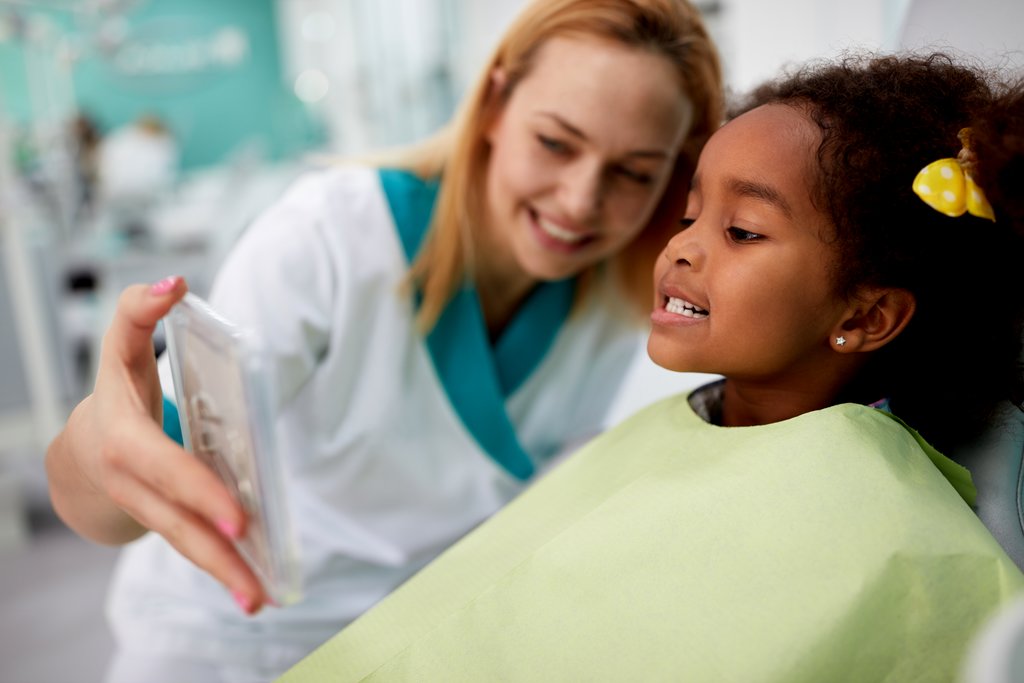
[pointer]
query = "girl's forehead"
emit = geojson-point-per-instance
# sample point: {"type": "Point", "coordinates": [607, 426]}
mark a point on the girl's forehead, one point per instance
{"type": "Point", "coordinates": [766, 155]}
{"type": "Point", "coordinates": [771, 141]}
{"type": "Point", "coordinates": [777, 122]}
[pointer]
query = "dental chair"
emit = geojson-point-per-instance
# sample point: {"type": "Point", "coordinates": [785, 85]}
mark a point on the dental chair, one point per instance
{"type": "Point", "coordinates": [989, 31]}
{"type": "Point", "coordinates": [996, 462]}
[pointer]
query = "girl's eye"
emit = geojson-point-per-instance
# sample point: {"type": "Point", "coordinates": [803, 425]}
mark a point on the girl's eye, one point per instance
{"type": "Point", "coordinates": [686, 222]}
{"type": "Point", "coordinates": [741, 235]}
{"type": "Point", "coordinates": [553, 145]}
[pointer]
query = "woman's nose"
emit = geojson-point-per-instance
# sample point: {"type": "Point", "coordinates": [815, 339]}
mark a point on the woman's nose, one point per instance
{"type": "Point", "coordinates": [582, 191]}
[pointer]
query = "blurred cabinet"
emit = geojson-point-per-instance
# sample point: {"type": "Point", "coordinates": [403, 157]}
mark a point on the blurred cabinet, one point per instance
{"type": "Point", "coordinates": [15, 401]}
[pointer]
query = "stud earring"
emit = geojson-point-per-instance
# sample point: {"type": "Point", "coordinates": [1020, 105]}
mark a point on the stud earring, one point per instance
{"type": "Point", "coordinates": [840, 341]}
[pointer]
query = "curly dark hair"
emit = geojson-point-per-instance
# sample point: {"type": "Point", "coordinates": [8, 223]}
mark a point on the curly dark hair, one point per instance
{"type": "Point", "coordinates": [882, 119]}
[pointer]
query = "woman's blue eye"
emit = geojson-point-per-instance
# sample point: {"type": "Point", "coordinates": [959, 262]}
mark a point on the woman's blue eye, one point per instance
{"type": "Point", "coordinates": [553, 145]}
{"type": "Point", "coordinates": [741, 235]}
{"type": "Point", "coordinates": [636, 177]}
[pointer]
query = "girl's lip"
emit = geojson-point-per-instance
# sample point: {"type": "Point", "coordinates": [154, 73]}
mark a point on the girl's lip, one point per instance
{"type": "Point", "coordinates": [662, 318]}
{"type": "Point", "coordinates": [667, 290]}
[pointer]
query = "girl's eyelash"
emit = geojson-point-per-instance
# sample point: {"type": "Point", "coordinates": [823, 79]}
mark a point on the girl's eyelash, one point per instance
{"type": "Point", "coordinates": [741, 235]}
{"type": "Point", "coordinates": [736, 234]}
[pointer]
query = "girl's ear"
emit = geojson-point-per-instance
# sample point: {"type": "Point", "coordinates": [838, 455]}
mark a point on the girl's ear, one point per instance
{"type": "Point", "coordinates": [876, 317]}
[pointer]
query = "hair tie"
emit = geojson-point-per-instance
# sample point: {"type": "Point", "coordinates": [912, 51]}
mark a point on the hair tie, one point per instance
{"type": "Point", "coordinates": [946, 185]}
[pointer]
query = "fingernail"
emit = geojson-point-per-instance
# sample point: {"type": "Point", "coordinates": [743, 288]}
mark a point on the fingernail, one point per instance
{"type": "Point", "coordinates": [244, 602]}
{"type": "Point", "coordinates": [165, 285]}
{"type": "Point", "coordinates": [227, 528]}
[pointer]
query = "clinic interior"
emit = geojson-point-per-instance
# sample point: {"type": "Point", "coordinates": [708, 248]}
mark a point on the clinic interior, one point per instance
{"type": "Point", "coordinates": [139, 137]}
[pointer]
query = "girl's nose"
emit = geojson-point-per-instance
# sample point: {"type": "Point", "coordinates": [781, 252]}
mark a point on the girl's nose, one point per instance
{"type": "Point", "coordinates": [685, 248]}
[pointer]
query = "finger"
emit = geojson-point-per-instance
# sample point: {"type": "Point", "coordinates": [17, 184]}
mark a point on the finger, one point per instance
{"type": "Point", "coordinates": [195, 539]}
{"type": "Point", "coordinates": [139, 309]}
{"type": "Point", "coordinates": [145, 453]}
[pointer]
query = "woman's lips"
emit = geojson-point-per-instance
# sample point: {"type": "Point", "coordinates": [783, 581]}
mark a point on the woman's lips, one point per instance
{"type": "Point", "coordinates": [555, 235]}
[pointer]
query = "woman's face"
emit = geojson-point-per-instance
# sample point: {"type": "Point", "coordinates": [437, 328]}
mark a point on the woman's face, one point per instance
{"type": "Point", "coordinates": [745, 288]}
{"type": "Point", "coordinates": [580, 154]}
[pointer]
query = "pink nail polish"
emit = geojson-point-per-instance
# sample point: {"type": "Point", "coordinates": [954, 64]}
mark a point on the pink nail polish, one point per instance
{"type": "Point", "coordinates": [165, 285]}
{"type": "Point", "coordinates": [227, 529]}
{"type": "Point", "coordinates": [243, 602]}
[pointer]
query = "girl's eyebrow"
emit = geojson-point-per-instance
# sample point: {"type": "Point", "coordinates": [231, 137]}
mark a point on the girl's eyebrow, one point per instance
{"type": "Point", "coordinates": [761, 192]}
{"type": "Point", "coordinates": [753, 189]}
{"type": "Point", "coordinates": [576, 132]}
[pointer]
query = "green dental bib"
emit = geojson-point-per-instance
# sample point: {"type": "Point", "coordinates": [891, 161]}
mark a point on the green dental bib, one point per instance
{"type": "Point", "coordinates": [823, 548]}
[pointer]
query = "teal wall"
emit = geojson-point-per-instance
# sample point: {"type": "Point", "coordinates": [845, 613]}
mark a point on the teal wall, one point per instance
{"type": "Point", "coordinates": [210, 69]}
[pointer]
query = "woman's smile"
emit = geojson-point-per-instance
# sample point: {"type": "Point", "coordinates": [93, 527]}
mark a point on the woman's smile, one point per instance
{"type": "Point", "coordinates": [559, 235]}
{"type": "Point", "coordinates": [578, 159]}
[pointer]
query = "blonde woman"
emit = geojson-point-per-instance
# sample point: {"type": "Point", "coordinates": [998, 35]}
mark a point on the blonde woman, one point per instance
{"type": "Point", "coordinates": [442, 324]}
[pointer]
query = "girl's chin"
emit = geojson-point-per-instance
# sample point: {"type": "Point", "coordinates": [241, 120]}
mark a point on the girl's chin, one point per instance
{"type": "Point", "coordinates": [667, 353]}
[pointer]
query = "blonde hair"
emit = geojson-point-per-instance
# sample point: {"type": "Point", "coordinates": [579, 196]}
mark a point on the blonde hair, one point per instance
{"type": "Point", "coordinates": [672, 28]}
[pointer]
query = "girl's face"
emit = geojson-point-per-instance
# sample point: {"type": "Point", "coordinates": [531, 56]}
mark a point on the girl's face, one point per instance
{"type": "Point", "coordinates": [580, 154]}
{"type": "Point", "coordinates": [744, 289]}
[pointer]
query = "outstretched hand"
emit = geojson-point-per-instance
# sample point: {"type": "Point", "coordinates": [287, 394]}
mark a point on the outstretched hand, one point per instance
{"type": "Point", "coordinates": [113, 473]}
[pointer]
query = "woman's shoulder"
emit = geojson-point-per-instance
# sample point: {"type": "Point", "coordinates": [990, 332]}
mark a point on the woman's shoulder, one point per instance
{"type": "Point", "coordinates": [334, 190]}
{"type": "Point", "coordinates": [330, 224]}
{"type": "Point", "coordinates": [336, 207]}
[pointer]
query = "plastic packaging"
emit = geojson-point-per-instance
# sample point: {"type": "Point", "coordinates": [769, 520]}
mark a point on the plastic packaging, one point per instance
{"type": "Point", "coordinates": [223, 385]}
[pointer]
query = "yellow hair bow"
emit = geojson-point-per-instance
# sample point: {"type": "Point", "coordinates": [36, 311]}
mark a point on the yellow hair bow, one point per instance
{"type": "Point", "coordinates": [946, 185]}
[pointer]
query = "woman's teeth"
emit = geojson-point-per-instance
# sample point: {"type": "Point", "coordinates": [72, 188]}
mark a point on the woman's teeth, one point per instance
{"type": "Point", "coordinates": [681, 307]}
{"type": "Point", "coordinates": [559, 233]}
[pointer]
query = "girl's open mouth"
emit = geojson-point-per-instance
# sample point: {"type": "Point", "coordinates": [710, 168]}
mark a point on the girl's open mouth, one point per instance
{"type": "Point", "coordinates": [685, 308]}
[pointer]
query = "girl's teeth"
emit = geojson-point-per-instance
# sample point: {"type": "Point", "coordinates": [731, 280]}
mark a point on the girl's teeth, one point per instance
{"type": "Point", "coordinates": [684, 308]}
{"type": "Point", "coordinates": [559, 233]}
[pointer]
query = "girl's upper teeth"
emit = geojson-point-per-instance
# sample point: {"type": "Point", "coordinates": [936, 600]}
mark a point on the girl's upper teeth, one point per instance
{"type": "Point", "coordinates": [560, 233]}
{"type": "Point", "coordinates": [683, 307]}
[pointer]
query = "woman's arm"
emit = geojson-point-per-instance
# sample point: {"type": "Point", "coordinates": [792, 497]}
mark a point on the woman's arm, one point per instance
{"type": "Point", "coordinates": [112, 472]}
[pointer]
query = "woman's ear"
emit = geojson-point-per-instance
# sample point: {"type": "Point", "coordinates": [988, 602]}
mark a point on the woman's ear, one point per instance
{"type": "Point", "coordinates": [495, 102]}
{"type": "Point", "coordinates": [876, 317]}
{"type": "Point", "coordinates": [499, 81]}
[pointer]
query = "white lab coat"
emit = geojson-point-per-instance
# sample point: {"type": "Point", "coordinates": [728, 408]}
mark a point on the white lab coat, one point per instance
{"type": "Point", "coordinates": [382, 472]}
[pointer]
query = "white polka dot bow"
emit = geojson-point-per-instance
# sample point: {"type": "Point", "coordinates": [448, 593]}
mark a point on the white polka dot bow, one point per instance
{"type": "Point", "coordinates": [946, 185]}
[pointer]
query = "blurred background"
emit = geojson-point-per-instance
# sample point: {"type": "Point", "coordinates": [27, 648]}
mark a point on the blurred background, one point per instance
{"type": "Point", "coordinates": [138, 138]}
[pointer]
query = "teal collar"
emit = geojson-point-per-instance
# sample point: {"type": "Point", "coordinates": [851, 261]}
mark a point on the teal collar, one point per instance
{"type": "Point", "coordinates": [477, 377]}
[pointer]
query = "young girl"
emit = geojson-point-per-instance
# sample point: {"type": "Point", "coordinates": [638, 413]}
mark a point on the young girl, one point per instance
{"type": "Point", "coordinates": [541, 200]}
{"type": "Point", "coordinates": [776, 525]}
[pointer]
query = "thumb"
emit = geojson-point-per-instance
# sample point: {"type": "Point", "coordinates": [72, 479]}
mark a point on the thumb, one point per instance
{"type": "Point", "coordinates": [139, 309]}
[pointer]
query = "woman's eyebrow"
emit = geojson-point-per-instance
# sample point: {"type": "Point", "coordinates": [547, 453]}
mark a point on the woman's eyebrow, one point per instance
{"type": "Point", "coordinates": [569, 128]}
{"type": "Point", "coordinates": [576, 132]}
{"type": "Point", "coordinates": [761, 192]}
